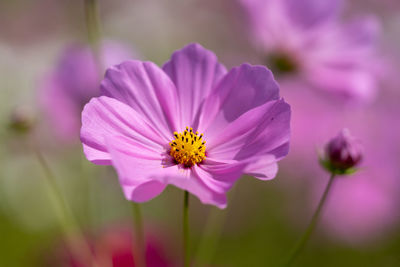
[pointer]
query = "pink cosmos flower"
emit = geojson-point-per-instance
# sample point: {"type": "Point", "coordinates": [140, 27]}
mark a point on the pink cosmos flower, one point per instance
{"type": "Point", "coordinates": [74, 80]}
{"type": "Point", "coordinates": [303, 40]}
{"type": "Point", "coordinates": [191, 124]}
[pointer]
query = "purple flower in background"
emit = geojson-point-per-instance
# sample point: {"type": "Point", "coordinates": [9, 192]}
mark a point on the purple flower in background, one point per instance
{"type": "Point", "coordinates": [303, 41]}
{"type": "Point", "coordinates": [191, 124]}
{"type": "Point", "coordinates": [342, 153]}
{"type": "Point", "coordinates": [364, 208]}
{"type": "Point", "coordinates": [73, 81]}
{"type": "Point", "coordinates": [347, 216]}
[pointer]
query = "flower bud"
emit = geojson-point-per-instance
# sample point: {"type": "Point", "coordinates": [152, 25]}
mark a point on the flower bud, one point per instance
{"type": "Point", "coordinates": [342, 153]}
{"type": "Point", "coordinates": [21, 120]}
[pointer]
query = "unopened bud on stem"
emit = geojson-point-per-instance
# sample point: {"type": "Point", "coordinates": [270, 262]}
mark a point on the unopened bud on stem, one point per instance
{"type": "Point", "coordinates": [342, 154]}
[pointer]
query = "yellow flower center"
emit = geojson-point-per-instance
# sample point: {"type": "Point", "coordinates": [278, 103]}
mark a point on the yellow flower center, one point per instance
{"type": "Point", "coordinates": [188, 148]}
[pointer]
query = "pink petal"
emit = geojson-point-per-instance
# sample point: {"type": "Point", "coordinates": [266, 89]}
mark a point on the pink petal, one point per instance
{"type": "Point", "coordinates": [242, 89]}
{"type": "Point", "coordinates": [143, 177]}
{"type": "Point", "coordinates": [143, 192]}
{"type": "Point", "coordinates": [349, 83]}
{"type": "Point", "coordinates": [309, 13]}
{"type": "Point", "coordinates": [195, 72]}
{"type": "Point", "coordinates": [245, 139]}
{"type": "Point", "coordinates": [61, 110]}
{"type": "Point", "coordinates": [200, 184]}
{"type": "Point", "coordinates": [147, 90]}
{"type": "Point", "coordinates": [105, 117]}
{"type": "Point", "coordinates": [139, 168]}
{"type": "Point", "coordinates": [264, 168]}
{"type": "Point", "coordinates": [226, 171]}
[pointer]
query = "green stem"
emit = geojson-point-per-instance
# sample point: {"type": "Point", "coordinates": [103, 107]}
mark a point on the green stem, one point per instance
{"type": "Point", "coordinates": [94, 32]}
{"type": "Point", "coordinates": [92, 21]}
{"type": "Point", "coordinates": [186, 229]}
{"type": "Point", "coordinates": [64, 212]}
{"type": "Point", "coordinates": [73, 235]}
{"type": "Point", "coordinates": [139, 251]}
{"type": "Point", "coordinates": [302, 242]}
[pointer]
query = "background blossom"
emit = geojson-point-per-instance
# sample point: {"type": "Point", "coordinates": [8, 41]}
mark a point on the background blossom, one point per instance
{"type": "Point", "coordinates": [306, 41]}
{"type": "Point", "coordinates": [72, 82]}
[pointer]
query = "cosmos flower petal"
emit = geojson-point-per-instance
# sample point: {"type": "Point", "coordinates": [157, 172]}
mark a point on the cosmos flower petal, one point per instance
{"type": "Point", "coordinates": [142, 176]}
{"type": "Point", "coordinates": [341, 69]}
{"type": "Point", "coordinates": [242, 89]}
{"type": "Point", "coordinates": [195, 71]}
{"type": "Point", "coordinates": [219, 186]}
{"type": "Point", "coordinates": [103, 117]}
{"type": "Point", "coordinates": [224, 171]}
{"type": "Point", "coordinates": [265, 168]}
{"type": "Point", "coordinates": [139, 168]}
{"type": "Point", "coordinates": [207, 189]}
{"type": "Point", "coordinates": [353, 83]}
{"type": "Point", "coordinates": [61, 110]}
{"type": "Point", "coordinates": [147, 89]}
{"type": "Point", "coordinates": [362, 32]}
{"type": "Point", "coordinates": [143, 192]}
{"type": "Point", "coordinates": [199, 184]}
{"type": "Point", "coordinates": [245, 137]}
{"type": "Point", "coordinates": [307, 13]}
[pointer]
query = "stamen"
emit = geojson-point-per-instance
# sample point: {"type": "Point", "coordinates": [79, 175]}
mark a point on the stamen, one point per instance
{"type": "Point", "coordinates": [193, 148]}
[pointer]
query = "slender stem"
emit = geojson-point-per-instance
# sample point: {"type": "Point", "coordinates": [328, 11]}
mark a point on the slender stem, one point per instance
{"type": "Point", "coordinates": [302, 242]}
{"type": "Point", "coordinates": [94, 32]}
{"type": "Point", "coordinates": [92, 21]}
{"type": "Point", "coordinates": [139, 251]}
{"type": "Point", "coordinates": [73, 235]}
{"type": "Point", "coordinates": [186, 229]}
{"type": "Point", "coordinates": [66, 219]}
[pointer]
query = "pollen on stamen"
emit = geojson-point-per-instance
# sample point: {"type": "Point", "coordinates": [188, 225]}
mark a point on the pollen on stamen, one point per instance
{"type": "Point", "coordinates": [191, 147]}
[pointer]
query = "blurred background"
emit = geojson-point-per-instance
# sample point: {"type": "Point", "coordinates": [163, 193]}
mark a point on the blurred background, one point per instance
{"type": "Point", "coordinates": [337, 65]}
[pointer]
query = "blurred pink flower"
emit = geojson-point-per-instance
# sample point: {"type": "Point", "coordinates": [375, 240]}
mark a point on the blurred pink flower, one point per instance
{"type": "Point", "coordinates": [72, 82]}
{"type": "Point", "coordinates": [304, 41]}
{"type": "Point", "coordinates": [377, 183]}
{"type": "Point", "coordinates": [364, 206]}
{"type": "Point", "coordinates": [113, 247]}
{"type": "Point", "coordinates": [361, 208]}
{"type": "Point", "coordinates": [138, 125]}
{"type": "Point", "coordinates": [118, 244]}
